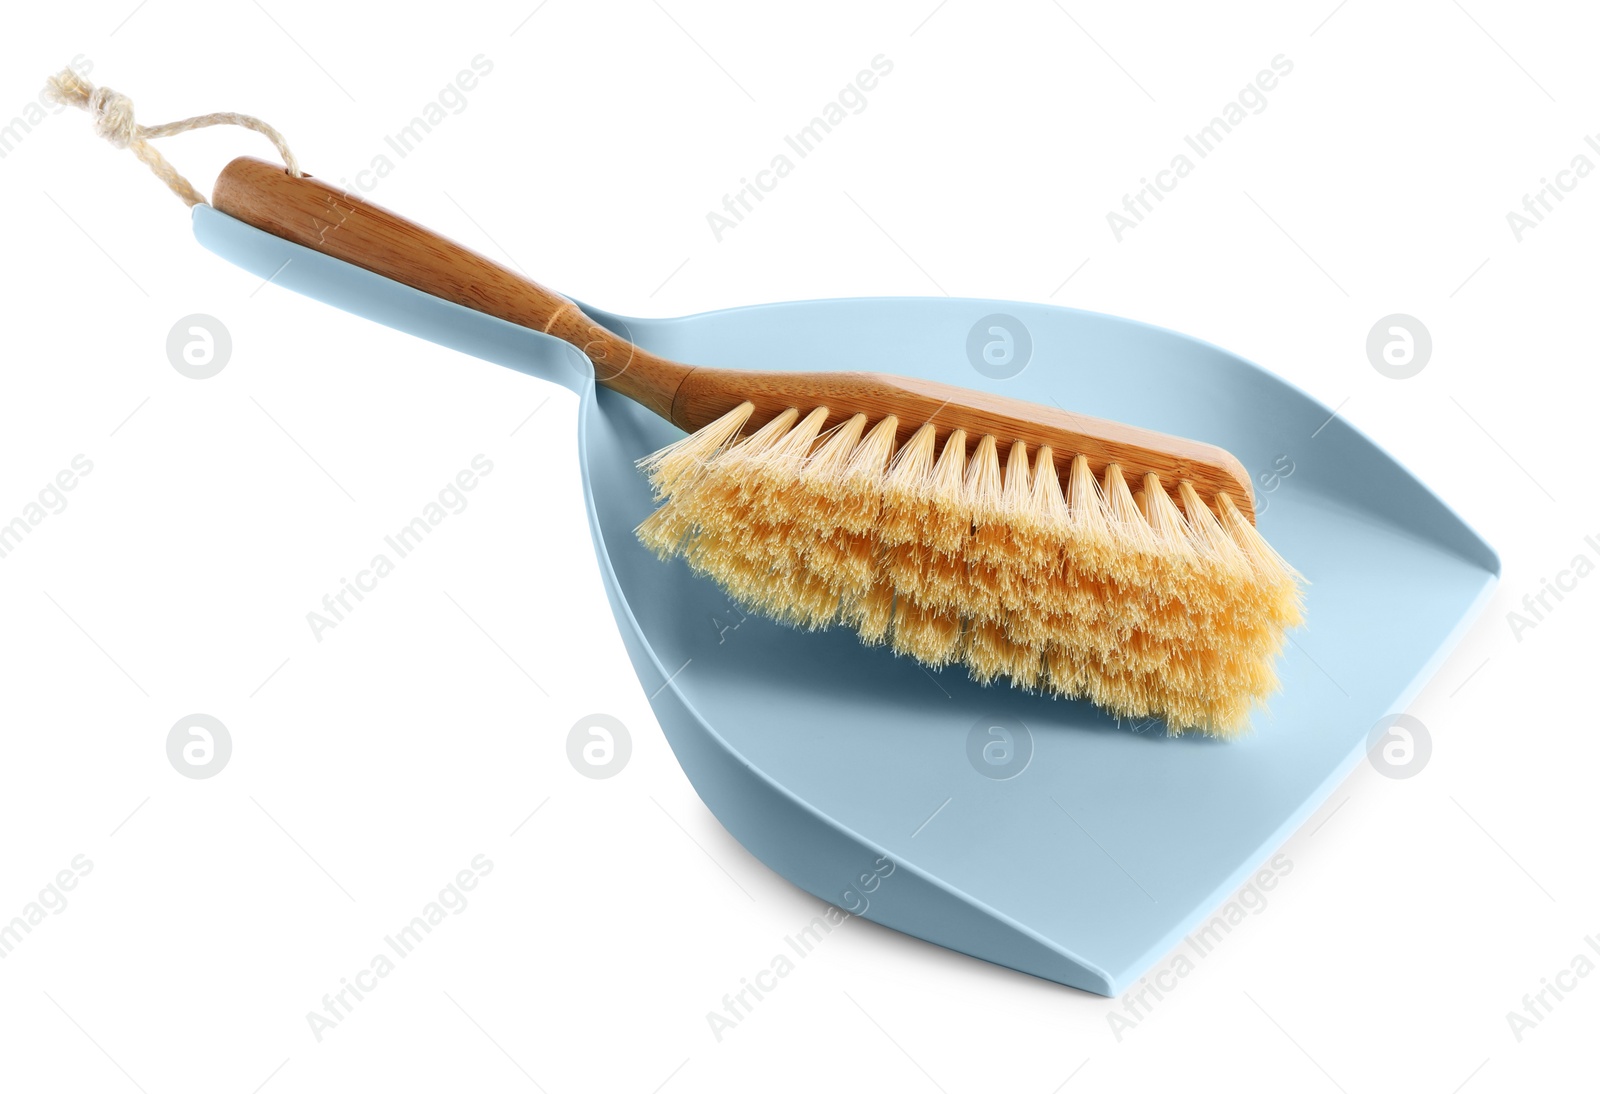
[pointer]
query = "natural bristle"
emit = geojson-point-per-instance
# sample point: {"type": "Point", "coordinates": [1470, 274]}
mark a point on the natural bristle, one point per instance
{"type": "Point", "coordinates": [1144, 597]}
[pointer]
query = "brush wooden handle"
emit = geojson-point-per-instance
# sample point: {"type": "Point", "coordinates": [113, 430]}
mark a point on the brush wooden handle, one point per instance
{"type": "Point", "coordinates": [345, 226]}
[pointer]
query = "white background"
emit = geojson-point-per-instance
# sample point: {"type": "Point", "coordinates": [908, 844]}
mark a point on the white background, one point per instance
{"type": "Point", "coordinates": [369, 768]}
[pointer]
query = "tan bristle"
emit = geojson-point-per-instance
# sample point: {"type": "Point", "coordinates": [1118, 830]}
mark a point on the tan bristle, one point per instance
{"type": "Point", "coordinates": [1209, 537]}
{"type": "Point", "coordinates": [1017, 478]}
{"type": "Point", "coordinates": [996, 499]}
{"type": "Point", "coordinates": [782, 462]}
{"type": "Point", "coordinates": [1127, 519]}
{"type": "Point", "coordinates": [1039, 520]}
{"type": "Point", "coordinates": [946, 523]}
{"type": "Point", "coordinates": [833, 454]}
{"type": "Point", "coordinates": [1047, 503]}
{"type": "Point", "coordinates": [927, 634]}
{"type": "Point", "coordinates": [871, 614]}
{"type": "Point", "coordinates": [809, 506]}
{"type": "Point", "coordinates": [666, 531]}
{"type": "Point", "coordinates": [1280, 584]}
{"type": "Point", "coordinates": [906, 489]}
{"type": "Point", "coordinates": [860, 491]}
{"type": "Point", "coordinates": [1086, 505]}
{"type": "Point", "coordinates": [763, 438]}
{"type": "Point", "coordinates": [672, 465]}
{"type": "Point", "coordinates": [1166, 522]}
{"type": "Point", "coordinates": [981, 489]}
{"type": "Point", "coordinates": [1145, 598]}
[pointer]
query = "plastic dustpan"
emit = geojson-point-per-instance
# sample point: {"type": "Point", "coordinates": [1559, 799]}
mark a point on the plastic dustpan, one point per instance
{"type": "Point", "coordinates": [1032, 832]}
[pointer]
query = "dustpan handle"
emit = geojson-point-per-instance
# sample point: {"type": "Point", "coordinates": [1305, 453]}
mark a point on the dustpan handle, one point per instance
{"type": "Point", "coordinates": [323, 218]}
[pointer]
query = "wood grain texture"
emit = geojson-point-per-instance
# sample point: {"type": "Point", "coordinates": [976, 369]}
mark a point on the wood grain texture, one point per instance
{"type": "Point", "coordinates": [349, 228]}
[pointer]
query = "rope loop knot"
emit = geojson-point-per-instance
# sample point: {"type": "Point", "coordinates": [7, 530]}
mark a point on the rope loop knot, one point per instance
{"type": "Point", "coordinates": [114, 120]}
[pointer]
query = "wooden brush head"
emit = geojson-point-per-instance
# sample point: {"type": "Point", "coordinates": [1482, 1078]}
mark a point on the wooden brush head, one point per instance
{"type": "Point", "coordinates": [706, 394]}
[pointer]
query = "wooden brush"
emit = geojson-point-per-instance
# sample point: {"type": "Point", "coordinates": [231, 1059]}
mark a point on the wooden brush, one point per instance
{"type": "Point", "coordinates": [1079, 556]}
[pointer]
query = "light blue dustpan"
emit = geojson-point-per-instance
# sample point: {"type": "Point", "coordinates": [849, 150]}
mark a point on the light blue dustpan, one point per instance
{"type": "Point", "coordinates": [1031, 832]}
